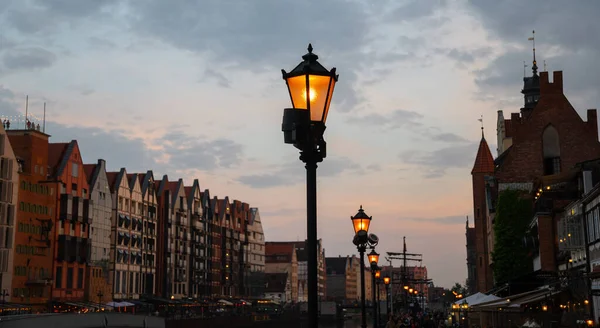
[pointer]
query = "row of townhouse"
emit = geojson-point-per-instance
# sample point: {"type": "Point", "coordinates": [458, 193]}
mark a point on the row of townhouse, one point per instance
{"type": "Point", "coordinates": [73, 231]}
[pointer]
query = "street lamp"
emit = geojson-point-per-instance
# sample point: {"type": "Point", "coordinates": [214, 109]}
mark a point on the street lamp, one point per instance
{"type": "Point", "coordinates": [100, 295]}
{"type": "Point", "coordinates": [377, 282]}
{"type": "Point", "coordinates": [374, 260]}
{"type": "Point", "coordinates": [362, 239]}
{"type": "Point", "coordinates": [386, 282]}
{"type": "Point", "coordinates": [310, 86]}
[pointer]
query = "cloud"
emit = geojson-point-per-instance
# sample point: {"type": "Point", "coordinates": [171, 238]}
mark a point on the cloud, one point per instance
{"type": "Point", "coordinates": [211, 74]}
{"type": "Point", "coordinates": [28, 59]}
{"type": "Point", "coordinates": [183, 151]}
{"type": "Point", "coordinates": [448, 137]}
{"type": "Point", "coordinates": [394, 120]}
{"type": "Point", "coordinates": [435, 163]}
{"type": "Point", "coordinates": [293, 173]}
{"type": "Point", "coordinates": [447, 220]}
{"type": "Point", "coordinates": [199, 152]}
{"type": "Point", "coordinates": [566, 47]}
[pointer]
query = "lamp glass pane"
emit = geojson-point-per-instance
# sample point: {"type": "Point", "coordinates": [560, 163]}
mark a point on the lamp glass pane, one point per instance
{"type": "Point", "coordinates": [297, 87]}
{"type": "Point", "coordinates": [329, 96]}
{"type": "Point", "coordinates": [316, 94]}
{"type": "Point", "coordinates": [361, 224]}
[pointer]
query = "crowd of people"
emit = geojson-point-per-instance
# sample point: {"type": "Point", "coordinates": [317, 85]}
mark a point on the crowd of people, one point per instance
{"type": "Point", "coordinates": [417, 320]}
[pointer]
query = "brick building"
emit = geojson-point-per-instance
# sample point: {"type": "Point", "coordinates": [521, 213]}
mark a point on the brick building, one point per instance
{"type": "Point", "coordinates": [72, 218]}
{"type": "Point", "coordinates": [471, 258]}
{"type": "Point", "coordinates": [21, 235]}
{"type": "Point", "coordinates": [539, 151]}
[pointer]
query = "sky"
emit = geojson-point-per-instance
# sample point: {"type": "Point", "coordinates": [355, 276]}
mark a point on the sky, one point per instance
{"type": "Point", "coordinates": [193, 89]}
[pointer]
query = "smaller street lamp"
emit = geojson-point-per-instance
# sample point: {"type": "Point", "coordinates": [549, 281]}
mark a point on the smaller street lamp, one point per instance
{"type": "Point", "coordinates": [100, 295]}
{"type": "Point", "coordinates": [374, 260]}
{"type": "Point", "coordinates": [386, 281]}
{"type": "Point", "coordinates": [362, 239]}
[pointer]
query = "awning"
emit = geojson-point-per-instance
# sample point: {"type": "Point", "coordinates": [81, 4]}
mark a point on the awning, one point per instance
{"type": "Point", "coordinates": [515, 301]}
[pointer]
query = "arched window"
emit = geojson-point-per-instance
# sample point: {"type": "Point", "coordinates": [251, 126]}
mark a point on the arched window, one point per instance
{"type": "Point", "coordinates": [551, 149]}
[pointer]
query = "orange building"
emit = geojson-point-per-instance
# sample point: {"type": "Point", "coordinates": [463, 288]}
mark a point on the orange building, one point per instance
{"type": "Point", "coordinates": [34, 236]}
{"type": "Point", "coordinates": [72, 219]}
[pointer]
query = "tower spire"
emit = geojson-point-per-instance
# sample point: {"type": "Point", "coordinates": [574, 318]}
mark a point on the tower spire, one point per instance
{"type": "Point", "coordinates": [481, 120]}
{"type": "Point", "coordinates": [534, 68]}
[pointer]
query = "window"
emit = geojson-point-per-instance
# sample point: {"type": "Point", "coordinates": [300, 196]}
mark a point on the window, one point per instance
{"type": "Point", "coordinates": [75, 170]}
{"type": "Point", "coordinates": [58, 278]}
{"type": "Point", "coordinates": [80, 278]}
{"type": "Point", "coordinates": [69, 277]}
{"type": "Point", "coordinates": [551, 150]}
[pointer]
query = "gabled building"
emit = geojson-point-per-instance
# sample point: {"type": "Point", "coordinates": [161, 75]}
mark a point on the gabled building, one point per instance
{"type": "Point", "coordinates": [229, 249]}
{"type": "Point", "coordinates": [98, 281]}
{"type": "Point", "coordinates": [173, 239]}
{"type": "Point", "coordinates": [281, 257]}
{"type": "Point", "coordinates": [278, 287]}
{"type": "Point", "coordinates": [216, 240]}
{"type": "Point", "coordinates": [72, 218]}
{"type": "Point", "coordinates": [342, 282]}
{"type": "Point", "coordinates": [127, 237]}
{"type": "Point", "coordinates": [26, 235]}
{"type": "Point", "coordinates": [149, 233]}
{"type": "Point", "coordinates": [256, 254]}
{"type": "Point", "coordinates": [198, 277]}
{"type": "Point", "coordinates": [240, 213]}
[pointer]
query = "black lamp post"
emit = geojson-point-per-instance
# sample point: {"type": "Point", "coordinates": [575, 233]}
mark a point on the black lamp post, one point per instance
{"type": "Point", "coordinates": [100, 295]}
{"type": "Point", "coordinates": [377, 281]}
{"type": "Point", "coordinates": [362, 239]}
{"type": "Point", "coordinates": [310, 86]}
{"type": "Point", "coordinates": [374, 260]}
{"type": "Point", "coordinates": [386, 281]}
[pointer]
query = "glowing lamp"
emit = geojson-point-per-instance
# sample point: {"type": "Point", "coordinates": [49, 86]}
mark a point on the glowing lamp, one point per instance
{"type": "Point", "coordinates": [386, 280]}
{"type": "Point", "coordinates": [361, 221]}
{"type": "Point", "coordinates": [377, 274]}
{"type": "Point", "coordinates": [373, 257]}
{"type": "Point", "coordinates": [311, 86]}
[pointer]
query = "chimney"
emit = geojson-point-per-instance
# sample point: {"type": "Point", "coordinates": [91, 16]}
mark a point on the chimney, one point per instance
{"type": "Point", "coordinates": [587, 182]}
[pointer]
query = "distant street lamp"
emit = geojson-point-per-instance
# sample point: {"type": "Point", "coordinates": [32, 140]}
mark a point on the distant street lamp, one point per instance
{"type": "Point", "coordinates": [100, 295]}
{"type": "Point", "coordinates": [374, 260]}
{"type": "Point", "coordinates": [362, 239]}
{"type": "Point", "coordinates": [310, 86]}
{"type": "Point", "coordinates": [377, 281]}
{"type": "Point", "coordinates": [386, 281]}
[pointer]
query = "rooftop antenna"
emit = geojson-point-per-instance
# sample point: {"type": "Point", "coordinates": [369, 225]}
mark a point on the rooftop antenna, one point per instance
{"type": "Point", "coordinates": [44, 121]}
{"type": "Point", "coordinates": [26, 107]}
{"type": "Point", "coordinates": [524, 69]}
{"type": "Point", "coordinates": [545, 66]}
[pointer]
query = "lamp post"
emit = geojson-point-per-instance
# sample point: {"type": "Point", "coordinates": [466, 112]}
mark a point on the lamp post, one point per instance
{"type": "Point", "coordinates": [377, 280]}
{"type": "Point", "coordinates": [362, 239]}
{"type": "Point", "coordinates": [310, 86]}
{"type": "Point", "coordinates": [386, 282]}
{"type": "Point", "coordinates": [374, 260]}
{"type": "Point", "coordinates": [100, 295]}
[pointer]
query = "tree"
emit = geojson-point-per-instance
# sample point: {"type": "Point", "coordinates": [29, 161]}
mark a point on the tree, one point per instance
{"type": "Point", "coordinates": [513, 215]}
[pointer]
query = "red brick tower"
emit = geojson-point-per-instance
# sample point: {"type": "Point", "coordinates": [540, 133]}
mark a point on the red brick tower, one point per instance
{"type": "Point", "coordinates": [484, 166]}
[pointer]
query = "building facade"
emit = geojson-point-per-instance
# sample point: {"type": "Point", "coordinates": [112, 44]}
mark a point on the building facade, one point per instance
{"type": "Point", "coordinates": [99, 282]}
{"type": "Point", "coordinates": [198, 274]}
{"type": "Point", "coordinates": [72, 219]}
{"type": "Point", "coordinates": [256, 254]}
{"type": "Point", "coordinates": [149, 233]}
{"type": "Point", "coordinates": [23, 229]}
{"type": "Point", "coordinates": [280, 257]}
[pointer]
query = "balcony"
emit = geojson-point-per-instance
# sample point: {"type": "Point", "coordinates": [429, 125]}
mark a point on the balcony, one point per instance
{"type": "Point", "coordinates": [66, 201]}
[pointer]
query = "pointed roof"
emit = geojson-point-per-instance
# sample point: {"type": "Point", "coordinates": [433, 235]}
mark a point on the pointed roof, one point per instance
{"type": "Point", "coordinates": [484, 162]}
